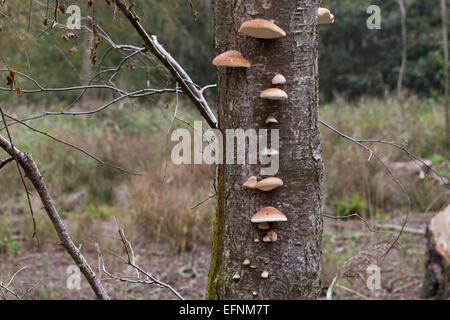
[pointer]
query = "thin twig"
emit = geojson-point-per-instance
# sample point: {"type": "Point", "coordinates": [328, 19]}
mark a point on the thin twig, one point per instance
{"type": "Point", "coordinates": [5, 162]}
{"type": "Point", "coordinates": [172, 66]}
{"type": "Point", "coordinates": [32, 172]}
{"type": "Point", "coordinates": [372, 153]}
{"type": "Point", "coordinates": [150, 279]}
{"type": "Point", "coordinates": [203, 201]}
{"type": "Point", "coordinates": [74, 147]}
{"type": "Point", "coordinates": [27, 192]}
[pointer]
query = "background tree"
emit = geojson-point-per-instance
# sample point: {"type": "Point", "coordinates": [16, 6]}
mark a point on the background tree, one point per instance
{"type": "Point", "coordinates": [401, 72]}
{"type": "Point", "coordinates": [446, 81]}
{"type": "Point", "coordinates": [293, 262]}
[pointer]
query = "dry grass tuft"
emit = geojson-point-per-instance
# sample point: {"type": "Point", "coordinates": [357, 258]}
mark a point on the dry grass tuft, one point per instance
{"type": "Point", "coordinates": [163, 209]}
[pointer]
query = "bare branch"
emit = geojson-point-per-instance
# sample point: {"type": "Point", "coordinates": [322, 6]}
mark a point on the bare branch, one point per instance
{"type": "Point", "coordinates": [203, 201]}
{"type": "Point", "coordinates": [75, 147]}
{"type": "Point", "coordinates": [172, 66]}
{"type": "Point", "coordinates": [32, 172]}
{"type": "Point", "coordinates": [149, 278]}
{"type": "Point", "coordinates": [444, 181]}
{"type": "Point", "coordinates": [14, 155]}
{"type": "Point", "coordinates": [5, 162]}
{"type": "Point", "coordinates": [372, 153]}
{"type": "Point", "coordinates": [7, 286]}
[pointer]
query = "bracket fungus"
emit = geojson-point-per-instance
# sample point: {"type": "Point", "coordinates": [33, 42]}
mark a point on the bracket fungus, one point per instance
{"type": "Point", "coordinates": [274, 94]}
{"type": "Point", "coordinates": [263, 226]}
{"type": "Point", "coordinates": [324, 16]}
{"type": "Point", "coordinates": [236, 277]}
{"type": "Point", "coordinates": [246, 262]}
{"type": "Point", "coordinates": [269, 184]}
{"type": "Point", "coordinates": [231, 58]}
{"type": "Point", "coordinates": [268, 214]}
{"type": "Point", "coordinates": [250, 183]}
{"type": "Point", "coordinates": [271, 236]}
{"type": "Point", "coordinates": [271, 120]}
{"type": "Point", "coordinates": [278, 79]}
{"type": "Point", "coordinates": [262, 29]}
{"type": "Point", "coordinates": [265, 274]}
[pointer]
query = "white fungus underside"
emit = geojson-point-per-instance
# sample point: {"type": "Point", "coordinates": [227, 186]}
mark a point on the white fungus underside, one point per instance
{"type": "Point", "coordinates": [269, 219]}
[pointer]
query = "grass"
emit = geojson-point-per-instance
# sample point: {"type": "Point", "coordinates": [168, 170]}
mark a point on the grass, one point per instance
{"type": "Point", "coordinates": [156, 206]}
{"type": "Point", "coordinates": [416, 124]}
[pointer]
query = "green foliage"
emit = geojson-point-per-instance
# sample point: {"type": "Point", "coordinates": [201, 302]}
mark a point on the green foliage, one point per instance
{"type": "Point", "coordinates": [96, 212]}
{"type": "Point", "coordinates": [344, 207]}
{"type": "Point", "coordinates": [356, 61]}
{"type": "Point", "coordinates": [353, 60]}
{"type": "Point", "coordinates": [9, 246]}
{"type": "Point", "coordinates": [42, 52]}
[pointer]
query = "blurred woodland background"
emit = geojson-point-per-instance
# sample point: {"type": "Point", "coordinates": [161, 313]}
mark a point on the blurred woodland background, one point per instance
{"type": "Point", "coordinates": [359, 70]}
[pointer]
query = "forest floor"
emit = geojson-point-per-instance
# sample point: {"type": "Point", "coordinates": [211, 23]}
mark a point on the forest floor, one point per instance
{"type": "Point", "coordinates": [45, 276]}
{"type": "Point", "coordinates": [172, 240]}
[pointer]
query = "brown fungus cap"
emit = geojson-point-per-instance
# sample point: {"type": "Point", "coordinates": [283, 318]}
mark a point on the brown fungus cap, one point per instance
{"type": "Point", "coordinates": [263, 29]}
{"type": "Point", "coordinates": [268, 214]}
{"type": "Point", "coordinates": [274, 94]}
{"type": "Point", "coordinates": [269, 184]}
{"type": "Point", "coordinates": [231, 58]}
{"type": "Point", "coordinates": [324, 16]}
{"type": "Point", "coordinates": [278, 79]}
{"type": "Point", "coordinates": [271, 236]}
{"type": "Point", "coordinates": [250, 183]}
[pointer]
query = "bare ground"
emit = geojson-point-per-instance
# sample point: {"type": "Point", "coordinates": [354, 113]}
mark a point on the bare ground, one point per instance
{"type": "Point", "coordinates": [401, 271]}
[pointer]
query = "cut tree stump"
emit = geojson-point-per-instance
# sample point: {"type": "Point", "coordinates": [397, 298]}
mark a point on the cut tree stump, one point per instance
{"type": "Point", "coordinates": [437, 265]}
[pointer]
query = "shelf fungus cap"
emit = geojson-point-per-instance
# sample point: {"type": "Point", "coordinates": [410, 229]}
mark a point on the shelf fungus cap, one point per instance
{"type": "Point", "coordinates": [271, 236]}
{"type": "Point", "coordinates": [279, 79]}
{"type": "Point", "coordinates": [269, 184]}
{"type": "Point", "coordinates": [250, 183]}
{"type": "Point", "coordinates": [231, 58]}
{"type": "Point", "coordinates": [268, 214]}
{"type": "Point", "coordinates": [263, 29]}
{"type": "Point", "coordinates": [324, 16]}
{"type": "Point", "coordinates": [263, 226]}
{"type": "Point", "coordinates": [271, 120]}
{"type": "Point", "coordinates": [274, 94]}
{"type": "Point", "coordinates": [265, 274]}
{"type": "Point", "coordinates": [440, 230]}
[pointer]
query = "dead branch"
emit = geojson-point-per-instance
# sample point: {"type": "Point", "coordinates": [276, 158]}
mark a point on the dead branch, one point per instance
{"type": "Point", "coordinates": [399, 228]}
{"type": "Point", "coordinates": [413, 157]}
{"type": "Point", "coordinates": [373, 154]}
{"type": "Point", "coordinates": [5, 162]}
{"type": "Point", "coordinates": [74, 147]}
{"type": "Point", "coordinates": [172, 66]}
{"type": "Point", "coordinates": [27, 163]}
{"type": "Point", "coordinates": [14, 156]}
{"type": "Point", "coordinates": [7, 287]}
{"type": "Point", "coordinates": [149, 278]}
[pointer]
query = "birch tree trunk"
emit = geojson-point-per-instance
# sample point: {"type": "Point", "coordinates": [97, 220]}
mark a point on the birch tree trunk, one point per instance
{"type": "Point", "coordinates": [293, 262]}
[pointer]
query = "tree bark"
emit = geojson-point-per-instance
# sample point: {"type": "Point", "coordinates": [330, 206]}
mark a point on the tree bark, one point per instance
{"type": "Point", "coordinates": [436, 276]}
{"type": "Point", "coordinates": [293, 262]}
